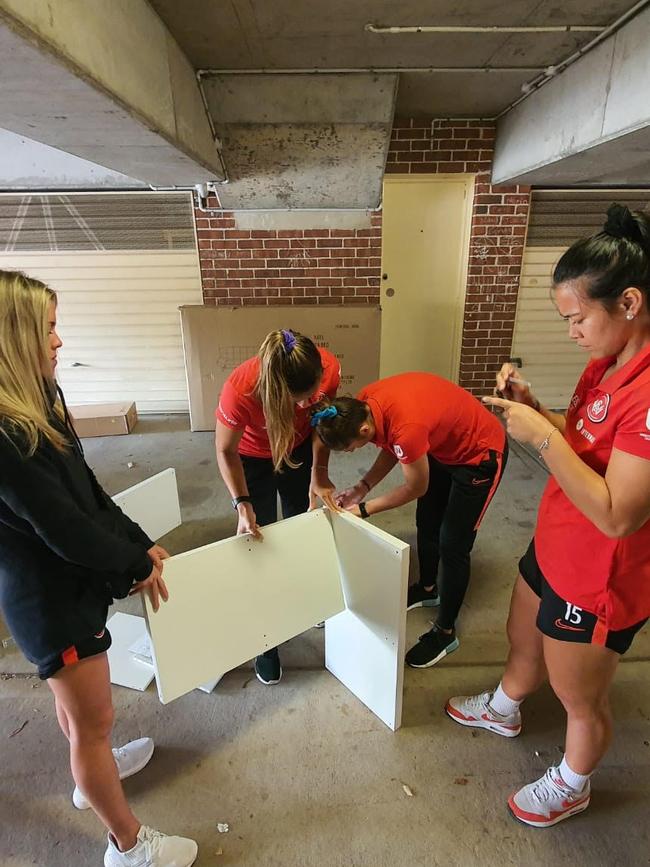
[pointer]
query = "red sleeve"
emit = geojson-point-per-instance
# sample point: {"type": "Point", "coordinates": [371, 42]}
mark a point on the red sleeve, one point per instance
{"type": "Point", "coordinates": [232, 410]}
{"type": "Point", "coordinates": [633, 429]}
{"type": "Point", "coordinates": [332, 374]}
{"type": "Point", "coordinates": [410, 442]}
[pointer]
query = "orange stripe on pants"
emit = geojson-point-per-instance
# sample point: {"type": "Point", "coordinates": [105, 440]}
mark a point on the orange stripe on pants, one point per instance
{"type": "Point", "coordinates": [495, 485]}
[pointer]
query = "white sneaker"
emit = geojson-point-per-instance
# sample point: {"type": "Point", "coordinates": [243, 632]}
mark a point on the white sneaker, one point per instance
{"type": "Point", "coordinates": [475, 711]}
{"type": "Point", "coordinates": [153, 849]}
{"type": "Point", "coordinates": [548, 800]}
{"type": "Point", "coordinates": [130, 759]}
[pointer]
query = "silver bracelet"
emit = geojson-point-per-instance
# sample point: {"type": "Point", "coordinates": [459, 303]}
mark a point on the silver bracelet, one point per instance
{"type": "Point", "coordinates": [545, 442]}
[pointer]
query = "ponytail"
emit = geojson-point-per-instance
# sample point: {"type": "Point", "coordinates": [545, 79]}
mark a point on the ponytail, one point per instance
{"type": "Point", "coordinates": [338, 422]}
{"type": "Point", "coordinates": [290, 364]}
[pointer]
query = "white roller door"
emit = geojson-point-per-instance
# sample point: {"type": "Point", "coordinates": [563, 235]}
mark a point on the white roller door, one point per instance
{"type": "Point", "coordinates": [551, 361]}
{"type": "Point", "coordinates": [118, 311]}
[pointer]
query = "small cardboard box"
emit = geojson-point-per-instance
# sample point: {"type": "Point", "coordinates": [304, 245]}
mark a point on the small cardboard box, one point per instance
{"type": "Point", "coordinates": [103, 419]}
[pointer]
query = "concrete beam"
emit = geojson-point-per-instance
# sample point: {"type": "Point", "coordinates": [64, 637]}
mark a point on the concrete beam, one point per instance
{"type": "Point", "coordinates": [589, 125]}
{"type": "Point", "coordinates": [107, 83]}
{"type": "Point", "coordinates": [303, 141]}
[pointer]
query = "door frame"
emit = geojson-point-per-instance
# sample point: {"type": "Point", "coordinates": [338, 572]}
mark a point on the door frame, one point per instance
{"type": "Point", "coordinates": [461, 290]}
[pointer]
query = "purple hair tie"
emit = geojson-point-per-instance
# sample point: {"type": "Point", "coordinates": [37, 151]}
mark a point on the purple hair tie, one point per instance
{"type": "Point", "coordinates": [289, 339]}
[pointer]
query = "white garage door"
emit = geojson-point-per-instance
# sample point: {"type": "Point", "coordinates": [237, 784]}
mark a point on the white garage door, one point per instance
{"type": "Point", "coordinates": [551, 361]}
{"type": "Point", "coordinates": [118, 309]}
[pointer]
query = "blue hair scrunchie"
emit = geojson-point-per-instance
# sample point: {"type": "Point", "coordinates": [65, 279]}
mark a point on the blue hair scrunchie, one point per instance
{"type": "Point", "coordinates": [289, 340]}
{"type": "Point", "coordinates": [328, 412]}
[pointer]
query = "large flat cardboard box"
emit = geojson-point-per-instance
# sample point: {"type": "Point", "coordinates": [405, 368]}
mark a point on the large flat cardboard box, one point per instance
{"type": "Point", "coordinates": [217, 339]}
{"type": "Point", "coordinates": [103, 419]}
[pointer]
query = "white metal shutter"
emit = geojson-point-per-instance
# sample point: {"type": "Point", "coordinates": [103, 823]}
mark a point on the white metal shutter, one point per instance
{"type": "Point", "coordinates": [119, 322]}
{"type": "Point", "coordinates": [121, 264]}
{"type": "Point", "coordinates": [558, 218]}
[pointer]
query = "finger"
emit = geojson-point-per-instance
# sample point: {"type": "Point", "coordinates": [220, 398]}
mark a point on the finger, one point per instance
{"type": "Point", "coordinates": [496, 401]}
{"type": "Point", "coordinates": [153, 592]}
{"type": "Point", "coordinates": [164, 554]}
{"type": "Point", "coordinates": [313, 501]}
{"type": "Point", "coordinates": [331, 503]}
{"type": "Point", "coordinates": [164, 592]}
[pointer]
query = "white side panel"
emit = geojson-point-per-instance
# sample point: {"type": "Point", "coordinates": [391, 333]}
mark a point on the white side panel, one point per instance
{"type": "Point", "coordinates": [153, 504]}
{"type": "Point", "coordinates": [119, 322]}
{"type": "Point", "coordinates": [364, 645]}
{"type": "Point", "coordinates": [125, 669]}
{"type": "Point", "coordinates": [234, 599]}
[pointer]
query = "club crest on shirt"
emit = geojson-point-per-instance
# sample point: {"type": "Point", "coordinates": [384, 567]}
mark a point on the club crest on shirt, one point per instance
{"type": "Point", "coordinates": [597, 409]}
{"type": "Point", "coordinates": [647, 420]}
{"type": "Point", "coordinates": [399, 452]}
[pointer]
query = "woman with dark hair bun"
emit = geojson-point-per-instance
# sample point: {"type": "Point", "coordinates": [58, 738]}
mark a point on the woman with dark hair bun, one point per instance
{"type": "Point", "coordinates": [583, 590]}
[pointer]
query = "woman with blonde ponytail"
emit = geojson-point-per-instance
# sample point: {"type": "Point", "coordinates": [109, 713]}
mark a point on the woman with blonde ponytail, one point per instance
{"type": "Point", "coordinates": [66, 551]}
{"type": "Point", "coordinates": [264, 442]}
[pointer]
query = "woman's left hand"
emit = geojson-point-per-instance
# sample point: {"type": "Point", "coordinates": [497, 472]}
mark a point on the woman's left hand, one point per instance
{"type": "Point", "coordinates": [321, 488]}
{"type": "Point", "coordinates": [157, 554]}
{"type": "Point", "coordinates": [523, 422]}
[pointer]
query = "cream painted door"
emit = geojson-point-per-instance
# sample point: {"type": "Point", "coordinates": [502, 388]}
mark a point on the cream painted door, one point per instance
{"type": "Point", "coordinates": [119, 322]}
{"type": "Point", "coordinates": [425, 243]}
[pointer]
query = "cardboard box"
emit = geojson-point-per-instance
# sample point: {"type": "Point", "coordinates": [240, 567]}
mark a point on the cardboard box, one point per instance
{"type": "Point", "coordinates": [217, 339]}
{"type": "Point", "coordinates": [103, 419]}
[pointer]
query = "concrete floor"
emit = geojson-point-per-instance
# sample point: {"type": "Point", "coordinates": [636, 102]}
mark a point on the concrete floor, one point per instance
{"type": "Point", "coordinates": [302, 772]}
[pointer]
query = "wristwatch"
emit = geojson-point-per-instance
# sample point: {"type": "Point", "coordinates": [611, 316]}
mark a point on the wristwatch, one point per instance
{"type": "Point", "coordinates": [363, 510]}
{"type": "Point", "coordinates": [237, 500]}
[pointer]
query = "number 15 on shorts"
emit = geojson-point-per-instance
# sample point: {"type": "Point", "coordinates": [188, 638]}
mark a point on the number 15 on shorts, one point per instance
{"type": "Point", "coordinates": [573, 614]}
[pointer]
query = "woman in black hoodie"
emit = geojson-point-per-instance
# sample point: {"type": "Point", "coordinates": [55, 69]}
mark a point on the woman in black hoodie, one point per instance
{"type": "Point", "coordinates": [66, 551]}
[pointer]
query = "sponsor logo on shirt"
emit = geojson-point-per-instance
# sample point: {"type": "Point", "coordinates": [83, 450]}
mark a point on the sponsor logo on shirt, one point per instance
{"type": "Point", "coordinates": [582, 430]}
{"type": "Point", "coordinates": [580, 424]}
{"type": "Point", "coordinates": [647, 420]}
{"type": "Point", "coordinates": [227, 417]}
{"type": "Point", "coordinates": [597, 409]}
{"type": "Point", "coordinates": [399, 452]}
{"type": "Point", "coordinates": [575, 400]}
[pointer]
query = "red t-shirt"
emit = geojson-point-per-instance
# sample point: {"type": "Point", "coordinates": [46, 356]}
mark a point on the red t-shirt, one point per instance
{"type": "Point", "coordinates": [239, 409]}
{"type": "Point", "coordinates": [420, 413]}
{"type": "Point", "coordinates": [608, 577]}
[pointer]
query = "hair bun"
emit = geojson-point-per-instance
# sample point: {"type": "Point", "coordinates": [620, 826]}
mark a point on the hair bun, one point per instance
{"type": "Point", "coordinates": [620, 223]}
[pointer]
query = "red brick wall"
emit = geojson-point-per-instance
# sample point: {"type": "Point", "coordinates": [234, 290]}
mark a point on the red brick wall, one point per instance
{"type": "Point", "coordinates": [342, 266]}
{"type": "Point", "coordinates": [499, 220]}
{"type": "Point", "coordinates": [287, 266]}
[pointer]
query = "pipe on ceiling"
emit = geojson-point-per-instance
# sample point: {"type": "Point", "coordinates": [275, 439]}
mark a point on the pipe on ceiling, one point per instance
{"type": "Point", "coordinates": [426, 28]}
{"type": "Point", "coordinates": [205, 73]}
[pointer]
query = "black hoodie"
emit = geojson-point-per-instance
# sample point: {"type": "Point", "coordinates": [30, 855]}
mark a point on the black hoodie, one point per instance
{"type": "Point", "coordinates": [66, 550]}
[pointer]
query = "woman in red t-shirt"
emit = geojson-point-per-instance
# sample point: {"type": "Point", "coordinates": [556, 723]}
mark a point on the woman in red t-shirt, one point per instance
{"type": "Point", "coordinates": [264, 442]}
{"type": "Point", "coordinates": [452, 452]}
{"type": "Point", "coordinates": [583, 591]}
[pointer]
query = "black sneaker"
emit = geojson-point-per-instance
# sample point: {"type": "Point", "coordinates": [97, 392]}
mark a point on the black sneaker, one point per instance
{"type": "Point", "coordinates": [420, 598]}
{"type": "Point", "coordinates": [268, 668]}
{"type": "Point", "coordinates": [431, 648]}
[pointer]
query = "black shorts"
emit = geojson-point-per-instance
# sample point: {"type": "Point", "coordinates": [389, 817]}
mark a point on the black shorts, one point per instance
{"type": "Point", "coordinates": [560, 619]}
{"type": "Point", "coordinates": [91, 646]}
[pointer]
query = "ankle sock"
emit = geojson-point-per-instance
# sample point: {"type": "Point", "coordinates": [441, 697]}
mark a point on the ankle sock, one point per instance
{"type": "Point", "coordinates": [575, 781]}
{"type": "Point", "coordinates": [502, 704]}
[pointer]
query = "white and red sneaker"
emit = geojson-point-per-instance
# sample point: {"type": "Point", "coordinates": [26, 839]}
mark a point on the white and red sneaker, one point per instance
{"type": "Point", "coordinates": [475, 711]}
{"type": "Point", "coordinates": [548, 800]}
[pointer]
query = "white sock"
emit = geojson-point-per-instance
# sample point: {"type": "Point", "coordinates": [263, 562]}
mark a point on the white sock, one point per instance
{"type": "Point", "coordinates": [502, 704]}
{"type": "Point", "coordinates": [575, 781]}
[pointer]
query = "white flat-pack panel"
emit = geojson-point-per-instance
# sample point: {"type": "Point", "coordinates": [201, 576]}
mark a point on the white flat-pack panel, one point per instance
{"type": "Point", "coordinates": [234, 599]}
{"type": "Point", "coordinates": [153, 504]}
{"type": "Point", "coordinates": [364, 645]}
{"type": "Point", "coordinates": [125, 669]}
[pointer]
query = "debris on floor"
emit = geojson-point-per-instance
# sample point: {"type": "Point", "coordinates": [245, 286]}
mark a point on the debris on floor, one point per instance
{"type": "Point", "coordinates": [223, 827]}
{"type": "Point", "coordinates": [461, 781]}
{"type": "Point", "coordinates": [219, 851]}
{"type": "Point", "coordinates": [408, 791]}
{"type": "Point", "coordinates": [18, 730]}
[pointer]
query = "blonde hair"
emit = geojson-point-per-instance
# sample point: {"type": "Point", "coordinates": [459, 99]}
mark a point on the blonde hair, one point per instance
{"type": "Point", "coordinates": [290, 364]}
{"type": "Point", "coordinates": [24, 356]}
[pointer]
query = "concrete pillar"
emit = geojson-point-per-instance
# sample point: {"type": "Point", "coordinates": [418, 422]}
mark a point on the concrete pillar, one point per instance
{"type": "Point", "coordinates": [108, 83]}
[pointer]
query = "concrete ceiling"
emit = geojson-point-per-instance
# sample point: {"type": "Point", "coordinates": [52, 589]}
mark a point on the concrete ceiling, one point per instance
{"type": "Point", "coordinates": [285, 34]}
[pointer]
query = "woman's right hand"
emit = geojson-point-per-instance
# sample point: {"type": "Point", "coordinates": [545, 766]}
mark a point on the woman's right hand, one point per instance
{"type": "Point", "coordinates": [516, 391]}
{"type": "Point", "coordinates": [154, 585]}
{"type": "Point", "coordinates": [247, 522]}
{"type": "Point", "coordinates": [351, 496]}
